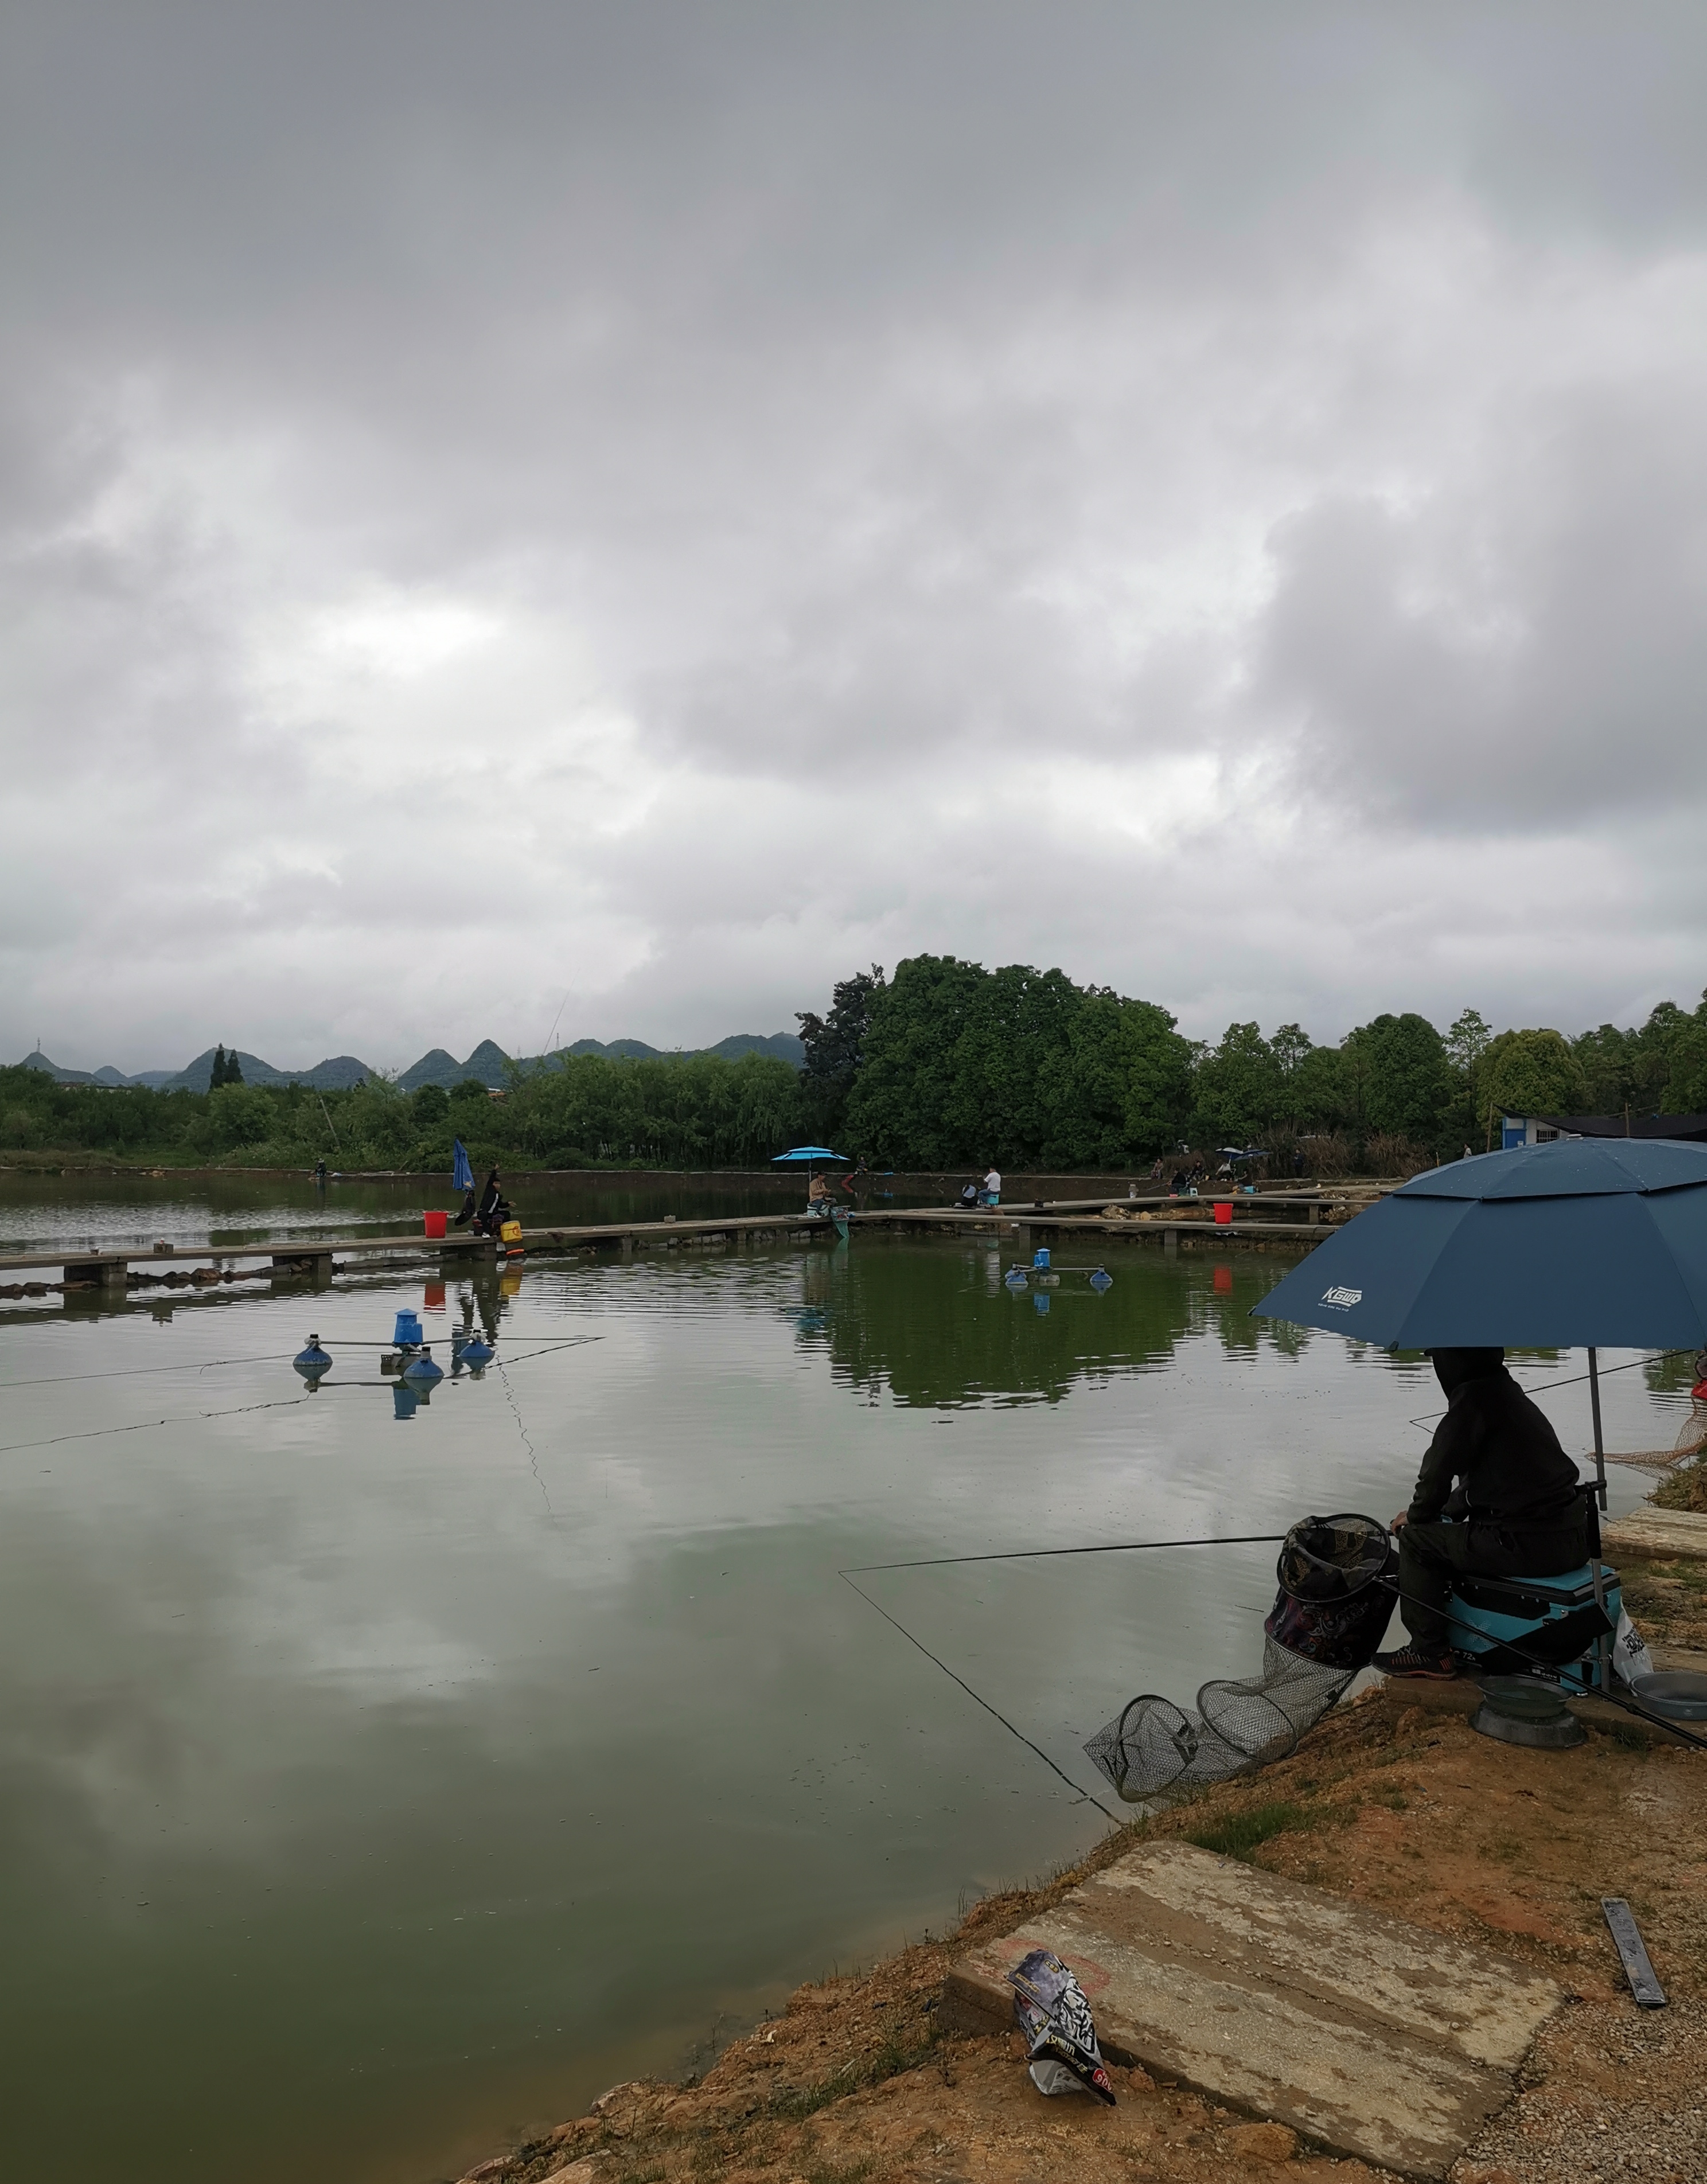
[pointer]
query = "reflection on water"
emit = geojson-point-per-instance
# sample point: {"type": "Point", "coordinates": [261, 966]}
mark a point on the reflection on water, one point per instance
{"type": "Point", "coordinates": [371, 1786]}
{"type": "Point", "coordinates": [900, 1322]}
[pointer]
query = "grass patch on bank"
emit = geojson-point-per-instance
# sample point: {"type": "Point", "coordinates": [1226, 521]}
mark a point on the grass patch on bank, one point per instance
{"type": "Point", "coordinates": [1685, 1488]}
{"type": "Point", "coordinates": [1237, 1835]}
{"type": "Point", "coordinates": [902, 2050]}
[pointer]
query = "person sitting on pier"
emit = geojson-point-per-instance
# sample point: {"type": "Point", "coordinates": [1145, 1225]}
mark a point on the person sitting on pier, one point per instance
{"type": "Point", "coordinates": [969, 1197]}
{"type": "Point", "coordinates": [493, 1209]}
{"type": "Point", "coordinates": [1496, 1496]}
{"type": "Point", "coordinates": [992, 1193]}
{"type": "Point", "coordinates": [818, 1197]}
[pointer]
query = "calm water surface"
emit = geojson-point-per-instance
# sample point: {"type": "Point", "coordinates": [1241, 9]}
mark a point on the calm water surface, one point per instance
{"type": "Point", "coordinates": [376, 1789]}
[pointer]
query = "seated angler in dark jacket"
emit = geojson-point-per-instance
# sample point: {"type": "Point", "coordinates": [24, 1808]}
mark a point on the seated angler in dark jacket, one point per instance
{"type": "Point", "coordinates": [1496, 1496]}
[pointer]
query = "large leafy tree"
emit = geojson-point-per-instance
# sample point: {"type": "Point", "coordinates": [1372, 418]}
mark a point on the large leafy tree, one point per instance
{"type": "Point", "coordinates": [1534, 1073]}
{"type": "Point", "coordinates": [1401, 1079]}
{"type": "Point", "coordinates": [1686, 1080]}
{"type": "Point", "coordinates": [1239, 1086]}
{"type": "Point", "coordinates": [1609, 1057]}
{"type": "Point", "coordinates": [1016, 1065]}
{"type": "Point", "coordinates": [835, 1045]}
{"type": "Point", "coordinates": [1316, 1094]}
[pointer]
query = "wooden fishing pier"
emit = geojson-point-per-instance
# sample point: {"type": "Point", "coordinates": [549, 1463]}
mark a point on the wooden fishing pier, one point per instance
{"type": "Point", "coordinates": [1292, 1219]}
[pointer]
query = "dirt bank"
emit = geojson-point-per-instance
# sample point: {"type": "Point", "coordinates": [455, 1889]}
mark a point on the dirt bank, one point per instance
{"type": "Point", "coordinates": [1393, 1801]}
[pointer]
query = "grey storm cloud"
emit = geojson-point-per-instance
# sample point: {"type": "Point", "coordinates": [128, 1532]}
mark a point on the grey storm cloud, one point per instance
{"type": "Point", "coordinates": [664, 505]}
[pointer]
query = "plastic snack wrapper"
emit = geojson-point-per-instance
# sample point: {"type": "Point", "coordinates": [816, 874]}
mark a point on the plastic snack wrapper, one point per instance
{"type": "Point", "coordinates": [1049, 2008]}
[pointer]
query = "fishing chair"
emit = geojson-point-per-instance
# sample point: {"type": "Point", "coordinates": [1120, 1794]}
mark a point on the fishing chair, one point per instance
{"type": "Point", "coordinates": [1552, 1624]}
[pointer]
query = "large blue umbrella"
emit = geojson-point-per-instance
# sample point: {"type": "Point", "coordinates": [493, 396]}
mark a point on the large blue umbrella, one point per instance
{"type": "Point", "coordinates": [1597, 1242]}
{"type": "Point", "coordinates": [1590, 1243]}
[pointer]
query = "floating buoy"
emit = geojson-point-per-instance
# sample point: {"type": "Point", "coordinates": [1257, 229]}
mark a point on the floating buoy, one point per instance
{"type": "Point", "coordinates": [473, 1353]}
{"type": "Point", "coordinates": [421, 1372]}
{"type": "Point", "coordinates": [312, 1362]}
{"type": "Point", "coordinates": [1015, 1278]}
{"type": "Point", "coordinates": [1101, 1279]}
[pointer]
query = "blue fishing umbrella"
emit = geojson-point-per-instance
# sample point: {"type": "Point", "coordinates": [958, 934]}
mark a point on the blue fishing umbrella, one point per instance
{"type": "Point", "coordinates": [1596, 1242]}
{"type": "Point", "coordinates": [809, 1153]}
{"type": "Point", "coordinates": [461, 1173]}
{"type": "Point", "coordinates": [1592, 1243]}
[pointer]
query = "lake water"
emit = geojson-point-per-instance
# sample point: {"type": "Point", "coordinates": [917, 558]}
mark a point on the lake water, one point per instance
{"type": "Point", "coordinates": [376, 1789]}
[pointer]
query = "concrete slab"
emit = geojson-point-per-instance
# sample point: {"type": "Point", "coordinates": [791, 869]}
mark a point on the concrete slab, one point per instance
{"type": "Point", "coordinates": [1649, 1531]}
{"type": "Point", "coordinates": [1368, 2034]}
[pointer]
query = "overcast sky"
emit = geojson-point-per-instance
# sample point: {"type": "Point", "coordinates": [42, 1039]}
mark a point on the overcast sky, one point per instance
{"type": "Point", "coordinates": [616, 516]}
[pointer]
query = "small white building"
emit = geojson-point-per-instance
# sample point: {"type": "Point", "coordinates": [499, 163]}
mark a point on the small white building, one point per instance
{"type": "Point", "coordinates": [1542, 1130]}
{"type": "Point", "coordinates": [1547, 1129]}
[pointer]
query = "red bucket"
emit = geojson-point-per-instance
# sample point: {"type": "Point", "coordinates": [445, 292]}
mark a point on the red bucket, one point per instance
{"type": "Point", "coordinates": [435, 1224]}
{"type": "Point", "coordinates": [1224, 1215]}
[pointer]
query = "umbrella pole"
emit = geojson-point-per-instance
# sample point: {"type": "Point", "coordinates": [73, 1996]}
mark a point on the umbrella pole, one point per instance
{"type": "Point", "coordinates": [1597, 1502]}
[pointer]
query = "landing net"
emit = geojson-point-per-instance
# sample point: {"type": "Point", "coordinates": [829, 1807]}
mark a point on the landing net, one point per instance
{"type": "Point", "coordinates": [1327, 1620]}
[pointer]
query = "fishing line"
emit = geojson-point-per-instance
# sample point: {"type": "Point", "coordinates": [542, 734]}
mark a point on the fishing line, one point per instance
{"type": "Point", "coordinates": [1085, 1796]}
{"type": "Point", "coordinates": [142, 1425]}
{"type": "Point", "coordinates": [135, 1372]}
{"type": "Point", "coordinates": [551, 1348]}
{"type": "Point", "coordinates": [533, 1453]}
{"type": "Point", "coordinates": [275, 1357]}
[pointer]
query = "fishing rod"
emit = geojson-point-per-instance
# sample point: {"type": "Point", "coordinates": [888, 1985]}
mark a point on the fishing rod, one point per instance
{"type": "Point", "coordinates": [1031, 1554]}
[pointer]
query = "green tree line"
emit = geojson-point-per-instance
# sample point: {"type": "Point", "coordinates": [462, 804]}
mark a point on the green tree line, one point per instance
{"type": "Point", "coordinates": [940, 1066]}
{"type": "Point", "coordinates": [575, 1111]}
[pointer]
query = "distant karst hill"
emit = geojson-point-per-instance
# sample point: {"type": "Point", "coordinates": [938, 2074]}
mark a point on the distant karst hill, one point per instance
{"type": "Point", "coordinates": [337, 1074]}
{"type": "Point", "coordinates": [489, 1064]}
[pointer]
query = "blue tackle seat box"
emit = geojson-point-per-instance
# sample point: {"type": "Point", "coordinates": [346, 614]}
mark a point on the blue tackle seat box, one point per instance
{"type": "Point", "coordinates": [1552, 1617]}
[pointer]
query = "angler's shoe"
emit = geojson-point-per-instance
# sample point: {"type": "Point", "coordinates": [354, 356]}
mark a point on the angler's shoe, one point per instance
{"type": "Point", "coordinates": [1407, 1661]}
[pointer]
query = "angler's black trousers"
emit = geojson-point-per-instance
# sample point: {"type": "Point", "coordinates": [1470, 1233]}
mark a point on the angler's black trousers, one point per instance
{"type": "Point", "coordinates": [1430, 1555]}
